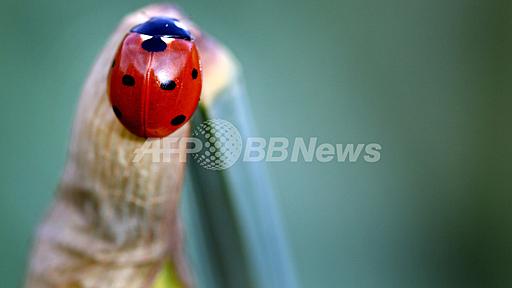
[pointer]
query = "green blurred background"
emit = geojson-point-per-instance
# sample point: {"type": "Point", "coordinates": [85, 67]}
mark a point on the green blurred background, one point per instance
{"type": "Point", "coordinates": [428, 80]}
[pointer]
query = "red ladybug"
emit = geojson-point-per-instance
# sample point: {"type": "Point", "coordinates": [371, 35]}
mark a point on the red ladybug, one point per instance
{"type": "Point", "coordinates": [155, 80]}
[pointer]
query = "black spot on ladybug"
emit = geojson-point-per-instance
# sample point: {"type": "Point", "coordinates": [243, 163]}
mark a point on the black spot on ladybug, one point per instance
{"type": "Point", "coordinates": [169, 85]}
{"type": "Point", "coordinates": [117, 112]}
{"type": "Point", "coordinates": [194, 73]}
{"type": "Point", "coordinates": [128, 80]}
{"type": "Point", "coordinates": [154, 44]}
{"type": "Point", "coordinates": [178, 120]}
{"type": "Point", "coordinates": [113, 63]}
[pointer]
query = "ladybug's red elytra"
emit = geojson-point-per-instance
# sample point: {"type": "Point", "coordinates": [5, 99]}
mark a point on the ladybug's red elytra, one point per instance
{"type": "Point", "coordinates": [155, 80]}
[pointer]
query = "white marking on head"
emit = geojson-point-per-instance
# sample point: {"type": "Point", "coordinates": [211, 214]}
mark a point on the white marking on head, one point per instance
{"type": "Point", "coordinates": [145, 37]}
{"type": "Point", "coordinates": [167, 40]}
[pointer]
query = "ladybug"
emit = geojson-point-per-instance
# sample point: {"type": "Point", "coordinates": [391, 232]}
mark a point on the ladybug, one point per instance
{"type": "Point", "coordinates": [155, 80]}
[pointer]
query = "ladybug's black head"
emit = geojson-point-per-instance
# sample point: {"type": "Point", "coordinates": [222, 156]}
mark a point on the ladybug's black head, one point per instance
{"type": "Point", "coordinates": [163, 27]}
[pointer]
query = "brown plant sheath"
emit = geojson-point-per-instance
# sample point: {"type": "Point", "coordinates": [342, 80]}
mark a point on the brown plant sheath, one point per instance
{"type": "Point", "coordinates": [114, 222]}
